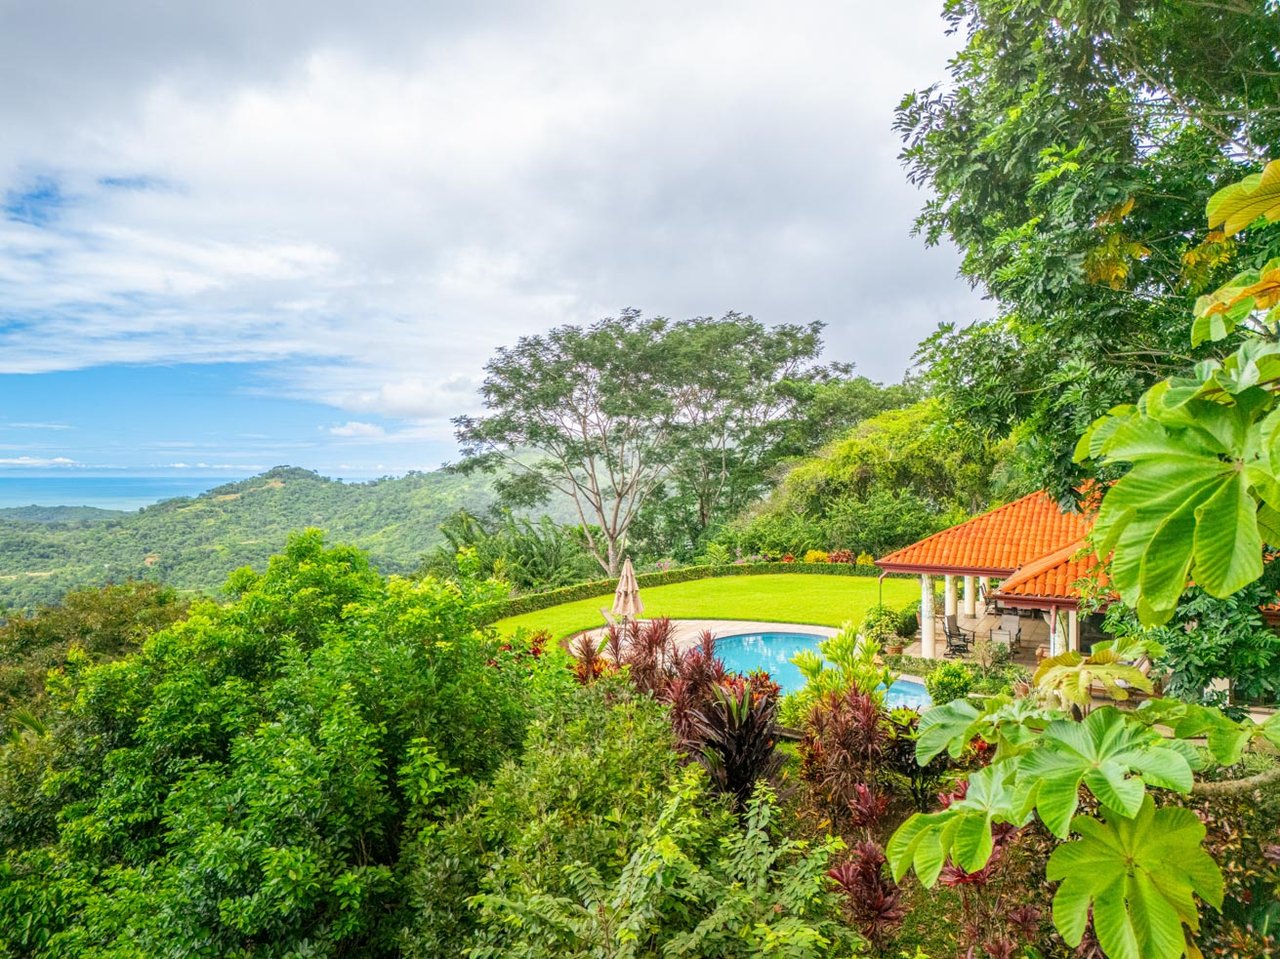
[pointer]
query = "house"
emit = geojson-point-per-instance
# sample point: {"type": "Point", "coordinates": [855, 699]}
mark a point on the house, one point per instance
{"type": "Point", "coordinates": [1031, 554]}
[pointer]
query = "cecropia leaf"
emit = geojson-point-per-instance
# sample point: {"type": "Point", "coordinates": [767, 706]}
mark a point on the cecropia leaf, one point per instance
{"type": "Point", "coordinates": [1140, 876]}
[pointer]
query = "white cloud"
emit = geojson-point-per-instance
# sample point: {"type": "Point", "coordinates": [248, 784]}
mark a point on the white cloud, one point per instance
{"type": "Point", "coordinates": [358, 430]}
{"type": "Point", "coordinates": [374, 200]}
{"type": "Point", "coordinates": [37, 461]}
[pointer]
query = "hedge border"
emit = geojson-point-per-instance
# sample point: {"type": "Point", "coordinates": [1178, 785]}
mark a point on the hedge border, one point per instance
{"type": "Point", "coordinates": [533, 602]}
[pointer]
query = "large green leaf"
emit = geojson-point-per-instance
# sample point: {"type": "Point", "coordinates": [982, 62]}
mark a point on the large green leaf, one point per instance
{"type": "Point", "coordinates": [1188, 507]}
{"type": "Point", "coordinates": [1011, 725]}
{"type": "Point", "coordinates": [1234, 207]}
{"type": "Point", "coordinates": [1112, 755]}
{"type": "Point", "coordinates": [961, 832]}
{"type": "Point", "coordinates": [1140, 877]}
{"type": "Point", "coordinates": [1072, 676]}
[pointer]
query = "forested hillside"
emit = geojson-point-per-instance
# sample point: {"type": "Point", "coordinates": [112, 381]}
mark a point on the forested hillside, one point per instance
{"type": "Point", "coordinates": [192, 543]}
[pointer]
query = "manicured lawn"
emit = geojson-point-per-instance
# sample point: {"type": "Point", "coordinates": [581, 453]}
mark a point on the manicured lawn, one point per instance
{"type": "Point", "coordinates": [783, 598]}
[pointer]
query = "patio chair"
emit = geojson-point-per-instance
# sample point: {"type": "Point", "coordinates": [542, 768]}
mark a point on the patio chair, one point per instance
{"type": "Point", "coordinates": [958, 640]}
{"type": "Point", "coordinates": [1009, 631]}
{"type": "Point", "coordinates": [988, 599]}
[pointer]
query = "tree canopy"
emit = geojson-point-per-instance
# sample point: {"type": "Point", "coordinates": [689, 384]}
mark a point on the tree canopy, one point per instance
{"type": "Point", "coordinates": [631, 409]}
{"type": "Point", "coordinates": [1066, 156]}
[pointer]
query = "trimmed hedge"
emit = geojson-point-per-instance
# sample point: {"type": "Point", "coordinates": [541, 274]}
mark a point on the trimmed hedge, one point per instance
{"type": "Point", "coordinates": [532, 602]}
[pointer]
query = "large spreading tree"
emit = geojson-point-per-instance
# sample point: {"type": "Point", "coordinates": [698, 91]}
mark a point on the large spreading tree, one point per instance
{"type": "Point", "coordinates": [1067, 156]}
{"type": "Point", "coordinates": [632, 410]}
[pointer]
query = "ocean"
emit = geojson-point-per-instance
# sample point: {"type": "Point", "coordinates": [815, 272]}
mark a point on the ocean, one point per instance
{"type": "Point", "coordinates": [104, 492]}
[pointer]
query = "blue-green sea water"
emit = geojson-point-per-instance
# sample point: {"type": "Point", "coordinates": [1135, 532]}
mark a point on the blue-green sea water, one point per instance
{"type": "Point", "coordinates": [104, 492]}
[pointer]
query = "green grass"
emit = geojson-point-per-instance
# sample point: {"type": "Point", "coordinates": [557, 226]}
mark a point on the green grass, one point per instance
{"type": "Point", "coordinates": [789, 598]}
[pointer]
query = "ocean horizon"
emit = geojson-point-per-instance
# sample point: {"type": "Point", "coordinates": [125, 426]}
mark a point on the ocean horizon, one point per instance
{"type": "Point", "coordinates": [103, 492]}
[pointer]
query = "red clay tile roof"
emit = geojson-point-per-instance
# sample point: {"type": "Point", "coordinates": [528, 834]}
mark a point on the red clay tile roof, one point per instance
{"type": "Point", "coordinates": [1051, 580]}
{"type": "Point", "coordinates": [996, 543]}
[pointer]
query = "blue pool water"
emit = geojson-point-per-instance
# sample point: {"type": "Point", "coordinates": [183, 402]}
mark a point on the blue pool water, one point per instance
{"type": "Point", "coordinates": [772, 652]}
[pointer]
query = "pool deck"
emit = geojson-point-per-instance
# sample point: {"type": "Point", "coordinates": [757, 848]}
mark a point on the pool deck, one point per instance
{"type": "Point", "coordinates": [687, 631]}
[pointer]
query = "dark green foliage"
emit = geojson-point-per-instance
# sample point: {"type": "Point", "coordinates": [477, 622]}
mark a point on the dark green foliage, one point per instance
{"type": "Point", "coordinates": [1211, 639]}
{"type": "Point", "coordinates": [242, 784]}
{"type": "Point", "coordinates": [102, 623]}
{"type": "Point", "coordinates": [528, 555]}
{"type": "Point", "coordinates": [1067, 156]}
{"type": "Point", "coordinates": [193, 543]}
{"type": "Point", "coordinates": [922, 783]}
{"type": "Point", "coordinates": [595, 774]}
{"type": "Point", "coordinates": [692, 886]}
{"type": "Point", "coordinates": [893, 479]}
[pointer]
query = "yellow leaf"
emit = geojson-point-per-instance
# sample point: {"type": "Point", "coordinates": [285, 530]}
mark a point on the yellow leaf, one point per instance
{"type": "Point", "coordinates": [1234, 207]}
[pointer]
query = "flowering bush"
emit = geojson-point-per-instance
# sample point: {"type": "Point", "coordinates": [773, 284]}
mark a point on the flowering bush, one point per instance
{"type": "Point", "coordinates": [817, 556]}
{"type": "Point", "coordinates": [788, 558]}
{"type": "Point", "coordinates": [866, 559]}
{"type": "Point", "coordinates": [840, 556]}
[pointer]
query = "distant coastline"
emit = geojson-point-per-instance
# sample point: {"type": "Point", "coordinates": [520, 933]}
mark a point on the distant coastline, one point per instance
{"type": "Point", "coordinates": [103, 492]}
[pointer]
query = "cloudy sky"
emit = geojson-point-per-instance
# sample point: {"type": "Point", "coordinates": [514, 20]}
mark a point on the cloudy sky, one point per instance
{"type": "Point", "coordinates": [244, 233]}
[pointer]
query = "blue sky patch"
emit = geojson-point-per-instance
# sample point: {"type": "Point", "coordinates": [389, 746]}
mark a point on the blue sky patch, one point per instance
{"type": "Point", "coordinates": [37, 204]}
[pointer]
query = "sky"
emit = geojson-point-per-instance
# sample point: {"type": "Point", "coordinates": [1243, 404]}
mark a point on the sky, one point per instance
{"type": "Point", "coordinates": [241, 234]}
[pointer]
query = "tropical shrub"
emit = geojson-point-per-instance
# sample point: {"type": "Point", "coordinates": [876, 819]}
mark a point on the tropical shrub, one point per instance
{"type": "Point", "coordinates": [244, 781]}
{"type": "Point", "coordinates": [844, 661]}
{"type": "Point", "coordinates": [951, 680]}
{"type": "Point", "coordinates": [880, 624]}
{"type": "Point", "coordinates": [846, 736]}
{"type": "Point", "coordinates": [596, 772]}
{"type": "Point", "coordinates": [528, 555]}
{"type": "Point", "coordinates": [1137, 869]}
{"type": "Point", "coordinates": [817, 556]}
{"type": "Point", "coordinates": [920, 781]}
{"type": "Point", "coordinates": [690, 887]}
{"type": "Point", "coordinates": [1213, 642]}
{"type": "Point", "coordinates": [871, 898]}
{"type": "Point", "coordinates": [737, 737]}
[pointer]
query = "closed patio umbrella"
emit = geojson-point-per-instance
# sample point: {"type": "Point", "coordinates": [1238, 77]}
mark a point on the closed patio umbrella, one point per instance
{"type": "Point", "coordinates": [626, 598]}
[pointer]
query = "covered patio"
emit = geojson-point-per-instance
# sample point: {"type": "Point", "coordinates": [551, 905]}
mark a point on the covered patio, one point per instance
{"type": "Point", "coordinates": [1009, 574]}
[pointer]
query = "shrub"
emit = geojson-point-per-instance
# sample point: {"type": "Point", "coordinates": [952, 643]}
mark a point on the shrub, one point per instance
{"type": "Point", "coordinates": [689, 887]}
{"type": "Point", "coordinates": [908, 620]}
{"type": "Point", "coordinates": [847, 661]}
{"type": "Point", "coordinates": [842, 556]}
{"type": "Point", "coordinates": [871, 898]}
{"type": "Point", "coordinates": [738, 736]}
{"type": "Point", "coordinates": [595, 772]}
{"type": "Point", "coordinates": [951, 680]}
{"type": "Point", "coordinates": [817, 556]}
{"type": "Point", "coordinates": [846, 736]}
{"type": "Point", "coordinates": [879, 624]}
{"type": "Point", "coordinates": [865, 559]}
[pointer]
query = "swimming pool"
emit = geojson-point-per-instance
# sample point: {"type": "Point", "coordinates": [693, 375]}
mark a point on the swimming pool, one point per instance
{"type": "Point", "coordinates": [772, 652]}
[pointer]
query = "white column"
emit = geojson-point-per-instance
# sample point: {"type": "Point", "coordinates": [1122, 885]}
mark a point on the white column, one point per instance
{"type": "Point", "coordinates": [927, 648]}
{"type": "Point", "coordinates": [949, 591]}
{"type": "Point", "coordinates": [1073, 630]}
{"type": "Point", "coordinates": [970, 597]}
{"type": "Point", "coordinates": [1053, 631]}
